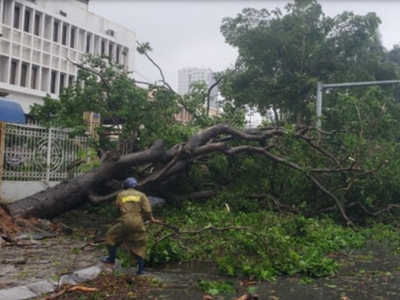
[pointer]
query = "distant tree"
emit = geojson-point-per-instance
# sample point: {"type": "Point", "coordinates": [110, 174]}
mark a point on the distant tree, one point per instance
{"type": "Point", "coordinates": [394, 55]}
{"type": "Point", "coordinates": [282, 56]}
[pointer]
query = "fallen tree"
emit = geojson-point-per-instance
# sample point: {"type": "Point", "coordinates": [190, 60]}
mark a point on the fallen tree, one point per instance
{"type": "Point", "coordinates": [160, 165]}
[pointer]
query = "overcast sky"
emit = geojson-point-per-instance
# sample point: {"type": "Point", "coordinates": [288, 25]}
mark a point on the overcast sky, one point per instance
{"type": "Point", "coordinates": [186, 33]}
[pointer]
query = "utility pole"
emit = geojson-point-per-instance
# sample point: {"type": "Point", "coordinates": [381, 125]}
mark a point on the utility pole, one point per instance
{"type": "Point", "coordinates": [321, 86]}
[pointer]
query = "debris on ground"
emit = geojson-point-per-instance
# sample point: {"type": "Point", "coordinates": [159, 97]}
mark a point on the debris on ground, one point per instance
{"type": "Point", "coordinates": [10, 227]}
{"type": "Point", "coordinates": [110, 286]}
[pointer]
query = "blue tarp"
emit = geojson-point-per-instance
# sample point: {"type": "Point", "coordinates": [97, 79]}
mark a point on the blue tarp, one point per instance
{"type": "Point", "coordinates": [11, 111]}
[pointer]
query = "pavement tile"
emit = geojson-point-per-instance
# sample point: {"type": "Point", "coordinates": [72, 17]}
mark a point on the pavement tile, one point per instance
{"type": "Point", "coordinates": [88, 273]}
{"type": "Point", "coordinates": [6, 281]}
{"type": "Point", "coordinates": [42, 287]}
{"type": "Point", "coordinates": [4, 270]}
{"type": "Point", "coordinates": [67, 279]}
{"type": "Point", "coordinates": [16, 293]}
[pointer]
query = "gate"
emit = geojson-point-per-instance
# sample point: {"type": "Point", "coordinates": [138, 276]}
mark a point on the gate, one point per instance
{"type": "Point", "coordinates": [33, 153]}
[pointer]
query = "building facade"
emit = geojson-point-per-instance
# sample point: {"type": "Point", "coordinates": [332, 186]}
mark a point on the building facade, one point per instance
{"type": "Point", "coordinates": [188, 76]}
{"type": "Point", "coordinates": [40, 40]}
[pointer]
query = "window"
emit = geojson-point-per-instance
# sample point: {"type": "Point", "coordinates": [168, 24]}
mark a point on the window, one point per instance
{"type": "Point", "coordinates": [70, 80]}
{"type": "Point", "coordinates": [118, 54]}
{"type": "Point", "coordinates": [55, 32]}
{"type": "Point", "coordinates": [62, 82]}
{"type": "Point", "coordinates": [13, 72]}
{"type": "Point", "coordinates": [17, 11]}
{"type": "Point", "coordinates": [34, 77]}
{"type": "Point", "coordinates": [64, 35]}
{"type": "Point", "coordinates": [103, 47]}
{"type": "Point", "coordinates": [53, 82]}
{"type": "Point", "coordinates": [47, 27]}
{"type": "Point", "coordinates": [110, 32]}
{"type": "Point", "coordinates": [27, 20]}
{"type": "Point", "coordinates": [88, 38]}
{"type": "Point", "coordinates": [36, 25]}
{"type": "Point", "coordinates": [24, 69]}
{"type": "Point", "coordinates": [72, 41]}
{"type": "Point", "coordinates": [110, 50]}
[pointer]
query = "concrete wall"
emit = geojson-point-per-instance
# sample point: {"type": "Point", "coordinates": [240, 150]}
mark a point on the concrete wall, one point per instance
{"type": "Point", "coordinates": [12, 191]}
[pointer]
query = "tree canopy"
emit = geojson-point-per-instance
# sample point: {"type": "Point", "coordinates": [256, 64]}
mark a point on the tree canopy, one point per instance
{"type": "Point", "coordinates": [283, 56]}
{"type": "Point", "coordinates": [137, 116]}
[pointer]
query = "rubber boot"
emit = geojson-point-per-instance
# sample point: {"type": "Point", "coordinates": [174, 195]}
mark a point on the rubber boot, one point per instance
{"type": "Point", "coordinates": [140, 270]}
{"type": "Point", "coordinates": [112, 254]}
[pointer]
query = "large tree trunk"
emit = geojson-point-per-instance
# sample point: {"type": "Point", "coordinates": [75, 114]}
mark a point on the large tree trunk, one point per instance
{"type": "Point", "coordinates": [66, 196]}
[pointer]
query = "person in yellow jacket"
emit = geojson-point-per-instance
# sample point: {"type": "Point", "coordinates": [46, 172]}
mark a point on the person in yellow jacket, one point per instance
{"type": "Point", "coordinates": [135, 209]}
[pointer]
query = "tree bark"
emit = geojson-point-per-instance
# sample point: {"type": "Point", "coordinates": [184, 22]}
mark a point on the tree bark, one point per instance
{"type": "Point", "coordinates": [68, 195]}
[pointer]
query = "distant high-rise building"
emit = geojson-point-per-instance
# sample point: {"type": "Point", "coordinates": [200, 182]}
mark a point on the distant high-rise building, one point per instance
{"type": "Point", "coordinates": [40, 40]}
{"type": "Point", "coordinates": [188, 76]}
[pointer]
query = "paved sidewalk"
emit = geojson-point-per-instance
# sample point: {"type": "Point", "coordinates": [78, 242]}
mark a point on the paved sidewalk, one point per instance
{"type": "Point", "coordinates": [33, 268]}
{"type": "Point", "coordinates": [42, 261]}
{"type": "Point", "coordinates": [39, 288]}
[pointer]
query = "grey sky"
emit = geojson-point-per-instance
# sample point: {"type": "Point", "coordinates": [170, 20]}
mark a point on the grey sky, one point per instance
{"type": "Point", "coordinates": [186, 33]}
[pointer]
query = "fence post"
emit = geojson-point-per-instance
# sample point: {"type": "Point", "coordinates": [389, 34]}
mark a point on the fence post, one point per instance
{"type": "Point", "coordinates": [48, 158]}
{"type": "Point", "coordinates": [2, 142]}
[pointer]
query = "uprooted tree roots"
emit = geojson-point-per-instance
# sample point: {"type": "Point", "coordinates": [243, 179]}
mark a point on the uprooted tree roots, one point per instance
{"type": "Point", "coordinates": [9, 226]}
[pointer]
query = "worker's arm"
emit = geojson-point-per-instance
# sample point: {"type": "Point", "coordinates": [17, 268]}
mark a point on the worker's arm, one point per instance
{"type": "Point", "coordinates": [146, 209]}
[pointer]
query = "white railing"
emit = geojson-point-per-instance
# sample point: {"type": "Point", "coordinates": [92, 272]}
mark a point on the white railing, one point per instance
{"type": "Point", "coordinates": [34, 158]}
{"type": "Point", "coordinates": [35, 153]}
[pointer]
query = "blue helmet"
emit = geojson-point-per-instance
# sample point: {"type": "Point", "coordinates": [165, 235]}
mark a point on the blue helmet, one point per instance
{"type": "Point", "coordinates": [130, 182]}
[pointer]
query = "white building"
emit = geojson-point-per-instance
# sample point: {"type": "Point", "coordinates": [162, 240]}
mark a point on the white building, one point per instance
{"type": "Point", "coordinates": [188, 76]}
{"type": "Point", "coordinates": [39, 38]}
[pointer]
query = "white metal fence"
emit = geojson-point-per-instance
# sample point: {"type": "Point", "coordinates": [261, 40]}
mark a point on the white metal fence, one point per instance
{"type": "Point", "coordinates": [33, 153]}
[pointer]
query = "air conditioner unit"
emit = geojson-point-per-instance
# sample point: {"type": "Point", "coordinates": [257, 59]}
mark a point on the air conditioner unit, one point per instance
{"type": "Point", "coordinates": [110, 32]}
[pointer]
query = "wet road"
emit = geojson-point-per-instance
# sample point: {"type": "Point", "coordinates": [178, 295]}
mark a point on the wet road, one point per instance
{"type": "Point", "coordinates": [372, 273]}
{"type": "Point", "coordinates": [367, 274]}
